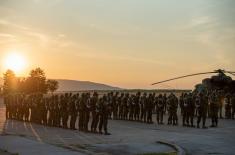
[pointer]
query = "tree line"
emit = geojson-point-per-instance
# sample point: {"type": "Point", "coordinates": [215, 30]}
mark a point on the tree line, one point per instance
{"type": "Point", "coordinates": [36, 82]}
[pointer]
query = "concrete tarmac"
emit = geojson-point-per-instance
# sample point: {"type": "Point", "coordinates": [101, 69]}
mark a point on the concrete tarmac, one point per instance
{"type": "Point", "coordinates": [127, 137]}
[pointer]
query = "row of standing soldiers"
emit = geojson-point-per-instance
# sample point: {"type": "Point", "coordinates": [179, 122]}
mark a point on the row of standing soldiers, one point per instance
{"type": "Point", "coordinates": [64, 110]}
{"type": "Point", "coordinates": [67, 110]}
{"type": "Point", "coordinates": [206, 105]}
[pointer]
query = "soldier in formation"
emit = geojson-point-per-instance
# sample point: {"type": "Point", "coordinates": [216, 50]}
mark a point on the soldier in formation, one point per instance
{"type": "Point", "coordinates": [172, 104]}
{"type": "Point", "coordinates": [60, 110]}
{"type": "Point", "coordinates": [232, 101]}
{"type": "Point", "coordinates": [188, 110]}
{"type": "Point", "coordinates": [160, 108]}
{"type": "Point", "coordinates": [214, 108]}
{"type": "Point", "coordinates": [90, 113]}
{"type": "Point", "coordinates": [201, 102]}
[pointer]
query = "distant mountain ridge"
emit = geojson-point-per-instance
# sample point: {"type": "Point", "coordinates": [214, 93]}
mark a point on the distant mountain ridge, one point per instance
{"type": "Point", "coordinates": [75, 85]}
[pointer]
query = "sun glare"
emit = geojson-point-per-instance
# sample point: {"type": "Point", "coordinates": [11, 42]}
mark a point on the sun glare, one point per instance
{"type": "Point", "coordinates": [15, 62]}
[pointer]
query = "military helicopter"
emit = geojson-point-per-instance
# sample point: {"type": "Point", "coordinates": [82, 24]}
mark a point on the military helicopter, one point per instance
{"type": "Point", "coordinates": [220, 81]}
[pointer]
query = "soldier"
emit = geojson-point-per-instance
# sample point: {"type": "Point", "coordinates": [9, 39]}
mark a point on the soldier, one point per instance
{"type": "Point", "coordinates": [60, 111]}
{"type": "Point", "coordinates": [99, 113]}
{"type": "Point", "coordinates": [42, 110]}
{"type": "Point", "coordinates": [165, 103]}
{"type": "Point", "coordinates": [143, 102]}
{"type": "Point", "coordinates": [110, 102]}
{"type": "Point", "coordinates": [137, 106]}
{"type": "Point", "coordinates": [172, 109]}
{"type": "Point", "coordinates": [228, 108]}
{"type": "Point", "coordinates": [36, 109]}
{"type": "Point", "coordinates": [185, 109]}
{"type": "Point", "coordinates": [11, 106]}
{"type": "Point", "coordinates": [214, 108]}
{"type": "Point", "coordinates": [57, 111]}
{"type": "Point", "coordinates": [120, 106]}
{"type": "Point", "coordinates": [191, 109]}
{"type": "Point", "coordinates": [233, 105]}
{"type": "Point", "coordinates": [29, 104]}
{"type": "Point", "coordinates": [26, 109]}
{"type": "Point", "coordinates": [7, 104]}
{"type": "Point", "coordinates": [20, 108]}
{"type": "Point", "coordinates": [181, 102]}
{"type": "Point", "coordinates": [125, 106]}
{"type": "Point", "coordinates": [160, 109]}
{"type": "Point", "coordinates": [64, 99]}
{"type": "Point", "coordinates": [149, 108]}
{"type": "Point", "coordinates": [175, 107]}
{"type": "Point", "coordinates": [81, 112]}
{"type": "Point", "coordinates": [131, 107]}
{"type": "Point", "coordinates": [94, 112]}
{"type": "Point", "coordinates": [115, 106]}
{"type": "Point", "coordinates": [51, 120]}
{"type": "Point", "coordinates": [47, 105]}
{"type": "Point", "coordinates": [73, 112]}
{"type": "Point", "coordinates": [169, 109]}
{"type": "Point", "coordinates": [14, 106]}
{"type": "Point", "coordinates": [220, 102]}
{"type": "Point", "coordinates": [104, 109]}
{"type": "Point", "coordinates": [86, 109]}
{"type": "Point", "coordinates": [33, 109]}
{"type": "Point", "coordinates": [77, 103]}
{"type": "Point", "coordinates": [202, 106]}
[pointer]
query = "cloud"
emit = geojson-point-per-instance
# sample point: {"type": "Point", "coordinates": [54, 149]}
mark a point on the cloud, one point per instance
{"type": "Point", "coordinates": [216, 35]}
{"type": "Point", "coordinates": [16, 33]}
{"type": "Point", "coordinates": [123, 58]}
{"type": "Point", "coordinates": [43, 38]}
{"type": "Point", "coordinates": [201, 21]}
{"type": "Point", "coordinates": [61, 35]}
{"type": "Point", "coordinates": [6, 35]}
{"type": "Point", "coordinates": [7, 23]}
{"type": "Point", "coordinates": [7, 38]}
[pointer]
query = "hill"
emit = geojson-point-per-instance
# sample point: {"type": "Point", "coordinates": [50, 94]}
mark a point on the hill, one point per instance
{"type": "Point", "coordinates": [73, 85]}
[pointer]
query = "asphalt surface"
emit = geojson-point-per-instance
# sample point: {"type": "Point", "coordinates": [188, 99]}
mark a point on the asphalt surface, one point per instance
{"type": "Point", "coordinates": [127, 137]}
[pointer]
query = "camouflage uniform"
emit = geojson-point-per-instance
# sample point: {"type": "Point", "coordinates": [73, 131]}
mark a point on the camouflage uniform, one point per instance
{"type": "Point", "coordinates": [214, 109]}
{"type": "Point", "coordinates": [172, 109]}
{"type": "Point", "coordinates": [149, 108]}
{"type": "Point", "coordinates": [202, 106]}
{"type": "Point", "coordinates": [228, 108]}
{"type": "Point", "coordinates": [160, 109]}
{"type": "Point", "coordinates": [233, 105]}
{"type": "Point", "coordinates": [131, 106]}
{"type": "Point", "coordinates": [143, 102]}
{"type": "Point", "coordinates": [137, 107]}
{"type": "Point", "coordinates": [104, 109]}
{"type": "Point", "coordinates": [73, 112]}
{"type": "Point", "coordinates": [64, 104]}
{"type": "Point", "coordinates": [94, 112]}
{"type": "Point", "coordinates": [185, 109]}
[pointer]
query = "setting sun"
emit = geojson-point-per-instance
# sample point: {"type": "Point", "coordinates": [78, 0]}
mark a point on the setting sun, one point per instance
{"type": "Point", "coordinates": [15, 62]}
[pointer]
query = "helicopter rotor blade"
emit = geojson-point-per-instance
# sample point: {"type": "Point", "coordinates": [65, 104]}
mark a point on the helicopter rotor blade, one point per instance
{"type": "Point", "coordinates": [232, 73]}
{"type": "Point", "coordinates": [229, 71]}
{"type": "Point", "coordinates": [184, 77]}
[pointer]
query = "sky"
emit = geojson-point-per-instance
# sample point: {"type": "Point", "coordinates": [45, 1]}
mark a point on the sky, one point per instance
{"type": "Point", "coordinates": [125, 43]}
